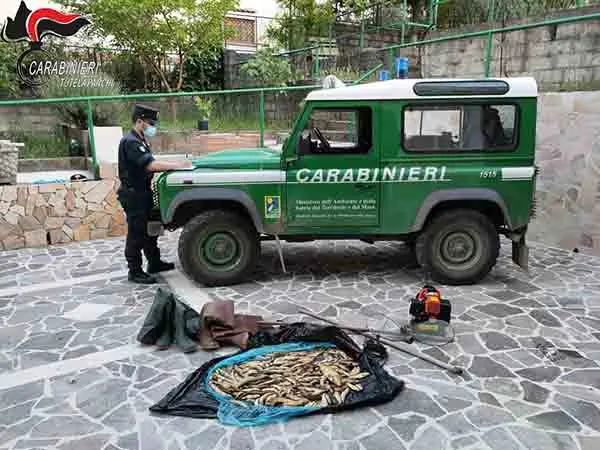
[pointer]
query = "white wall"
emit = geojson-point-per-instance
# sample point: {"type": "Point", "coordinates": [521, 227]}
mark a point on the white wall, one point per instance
{"type": "Point", "coordinates": [266, 8]}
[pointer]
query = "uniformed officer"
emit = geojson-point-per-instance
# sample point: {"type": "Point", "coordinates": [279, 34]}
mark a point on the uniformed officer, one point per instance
{"type": "Point", "coordinates": [136, 168]}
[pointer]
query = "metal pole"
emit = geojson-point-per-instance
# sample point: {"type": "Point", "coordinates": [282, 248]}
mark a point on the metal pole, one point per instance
{"type": "Point", "coordinates": [90, 124]}
{"type": "Point", "coordinates": [400, 347]}
{"type": "Point", "coordinates": [295, 51]}
{"type": "Point", "coordinates": [362, 33]}
{"type": "Point", "coordinates": [404, 11]}
{"type": "Point", "coordinates": [430, 13]}
{"type": "Point", "coordinates": [261, 117]}
{"type": "Point", "coordinates": [330, 33]}
{"type": "Point", "coordinates": [318, 65]}
{"type": "Point", "coordinates": [391, 54]}
{"type": "Point", "coordinates": [368, 73]}
{"type": "Point", "coordinates": [490, 40]}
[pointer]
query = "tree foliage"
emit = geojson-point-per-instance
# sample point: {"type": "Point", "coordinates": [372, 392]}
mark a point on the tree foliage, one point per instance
{"type": "Point", "coordinates": [300, 20]}
{"type": "Point", "coordinates": [131, 72]}
{"type": "Point", "coordinates": [204, 70]}
{"type": "Point", "coordinates": [157, 29]}
{"type": "Point", "coordinates": [264, 69]}
{"type": "Point", "coordinates": [9, 79]}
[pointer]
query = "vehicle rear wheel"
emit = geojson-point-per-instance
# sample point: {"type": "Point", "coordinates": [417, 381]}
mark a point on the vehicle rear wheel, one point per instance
{"type": "Point", "coordinates": [218, 248]}
{"type": "Point", "coordinates": [459, 247]}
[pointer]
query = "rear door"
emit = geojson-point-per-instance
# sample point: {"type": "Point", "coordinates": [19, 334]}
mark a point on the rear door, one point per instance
{"type": "Point", "coordinates": [446, 145]}
{"type": "Point", "coordinates": [335, 184]}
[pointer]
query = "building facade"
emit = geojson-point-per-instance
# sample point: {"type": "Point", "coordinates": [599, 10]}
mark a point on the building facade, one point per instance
{"type": "Point", "coordinates": [250, 23]}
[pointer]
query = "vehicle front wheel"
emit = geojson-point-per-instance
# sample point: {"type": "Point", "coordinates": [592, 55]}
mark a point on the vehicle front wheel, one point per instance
{"type": "Point", "coordinates": [218, 248]}
{"type": "Point", "coordinates": [459, 247]}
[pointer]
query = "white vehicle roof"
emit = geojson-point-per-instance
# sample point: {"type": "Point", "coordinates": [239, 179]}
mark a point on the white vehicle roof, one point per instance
{"type": "Point", "coordinates": [404, 89]}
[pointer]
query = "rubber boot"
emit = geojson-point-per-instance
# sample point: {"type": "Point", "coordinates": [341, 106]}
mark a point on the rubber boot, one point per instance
{"type": "Point", "coordinates": [182, 340]}
{"type": "Point", "coordinates": [166, 339]}
{"type": "Point", "coordinates": [154, 324]}
{"type": "Point", "coordinates": [193, 325]}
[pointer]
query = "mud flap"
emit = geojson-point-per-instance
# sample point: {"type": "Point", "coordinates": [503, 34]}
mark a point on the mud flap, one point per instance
{"type": "Point", "coordinates": [520, 253]}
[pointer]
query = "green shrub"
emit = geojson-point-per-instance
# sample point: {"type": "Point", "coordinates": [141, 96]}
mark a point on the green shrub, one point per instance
{"type": "Point", "coordinates": [264, 69]}
{"type": "Point", "coordinates": [105, 113]}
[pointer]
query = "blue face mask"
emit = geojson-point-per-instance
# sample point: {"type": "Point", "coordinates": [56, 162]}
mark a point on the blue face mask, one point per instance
{"type": "Point", "coordinates": [150, 131]}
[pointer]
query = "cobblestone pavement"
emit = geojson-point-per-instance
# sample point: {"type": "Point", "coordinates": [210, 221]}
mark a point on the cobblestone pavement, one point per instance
{"type": "Point", "coordinates": [73, 377]}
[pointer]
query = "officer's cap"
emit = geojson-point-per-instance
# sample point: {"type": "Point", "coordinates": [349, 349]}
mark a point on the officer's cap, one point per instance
{"type": "Point", "coordinates": [145, 113]}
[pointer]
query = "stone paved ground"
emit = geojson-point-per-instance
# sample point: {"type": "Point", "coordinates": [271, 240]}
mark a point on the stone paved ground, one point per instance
{"type": "Point", "coordinates": [73, 377]}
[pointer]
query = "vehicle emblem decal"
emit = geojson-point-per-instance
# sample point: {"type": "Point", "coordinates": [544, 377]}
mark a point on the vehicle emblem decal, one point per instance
{"type": "Point", "coordinates": [272, 207]}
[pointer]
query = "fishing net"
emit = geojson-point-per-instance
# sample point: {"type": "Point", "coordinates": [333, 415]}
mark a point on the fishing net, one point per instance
{"type": "Point", "coordinates": [194, 397]}
{"type": "Point", "coordinates": [243, 414]}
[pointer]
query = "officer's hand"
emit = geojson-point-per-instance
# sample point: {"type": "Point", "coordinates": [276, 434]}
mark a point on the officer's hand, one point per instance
{"type": "Point", "coordinates": [187, 164]}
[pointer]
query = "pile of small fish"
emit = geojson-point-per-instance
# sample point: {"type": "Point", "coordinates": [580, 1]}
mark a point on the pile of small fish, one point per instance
{"type": "Point", "coordinates": [316, 378]}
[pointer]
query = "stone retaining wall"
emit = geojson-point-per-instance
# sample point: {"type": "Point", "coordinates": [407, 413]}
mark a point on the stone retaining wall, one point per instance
{"type": "Point", "coordinates": [568, 154]}
{"type": "Point", "coordinates": [40, 215]}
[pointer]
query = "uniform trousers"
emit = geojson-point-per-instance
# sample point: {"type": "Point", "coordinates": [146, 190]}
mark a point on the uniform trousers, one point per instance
{"type": "Point", "coordinates": [138, 207]}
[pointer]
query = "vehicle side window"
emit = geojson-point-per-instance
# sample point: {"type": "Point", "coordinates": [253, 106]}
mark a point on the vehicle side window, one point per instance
{"type": "Point", "coordinates": [455, 128]}
{"type": "Point", "coordinates": [338, 131]}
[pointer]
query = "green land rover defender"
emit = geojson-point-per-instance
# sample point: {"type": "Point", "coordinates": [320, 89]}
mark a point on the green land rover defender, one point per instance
{"type": "Point", "coordinates": [445, 165]}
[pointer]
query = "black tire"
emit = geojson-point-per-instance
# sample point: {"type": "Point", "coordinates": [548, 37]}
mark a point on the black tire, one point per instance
{"type": "Point", "coordinates": [435, 250]}
{"type": "Point", "coordinates": [232, 228]}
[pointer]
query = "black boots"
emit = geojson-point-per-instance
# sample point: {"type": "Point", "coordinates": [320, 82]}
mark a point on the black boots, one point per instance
{"type": "Point", "coordinates": [167, 322]}
{"type": "Point", "coordinates": [160, 266]}
{"type": "Point", "coordinates": [141, 277]}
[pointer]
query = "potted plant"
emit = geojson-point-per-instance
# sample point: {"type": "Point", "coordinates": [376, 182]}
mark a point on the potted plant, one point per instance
{"type": "Point", "coordinates": [204, 109]}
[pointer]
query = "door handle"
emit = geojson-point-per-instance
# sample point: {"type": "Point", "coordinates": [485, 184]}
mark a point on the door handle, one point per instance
{"type": "Point", "coordinates": [364, 186]}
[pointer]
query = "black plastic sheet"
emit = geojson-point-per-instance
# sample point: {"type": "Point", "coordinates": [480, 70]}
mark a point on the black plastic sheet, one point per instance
{"type": "Point", "coordinates": [190, 399]}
